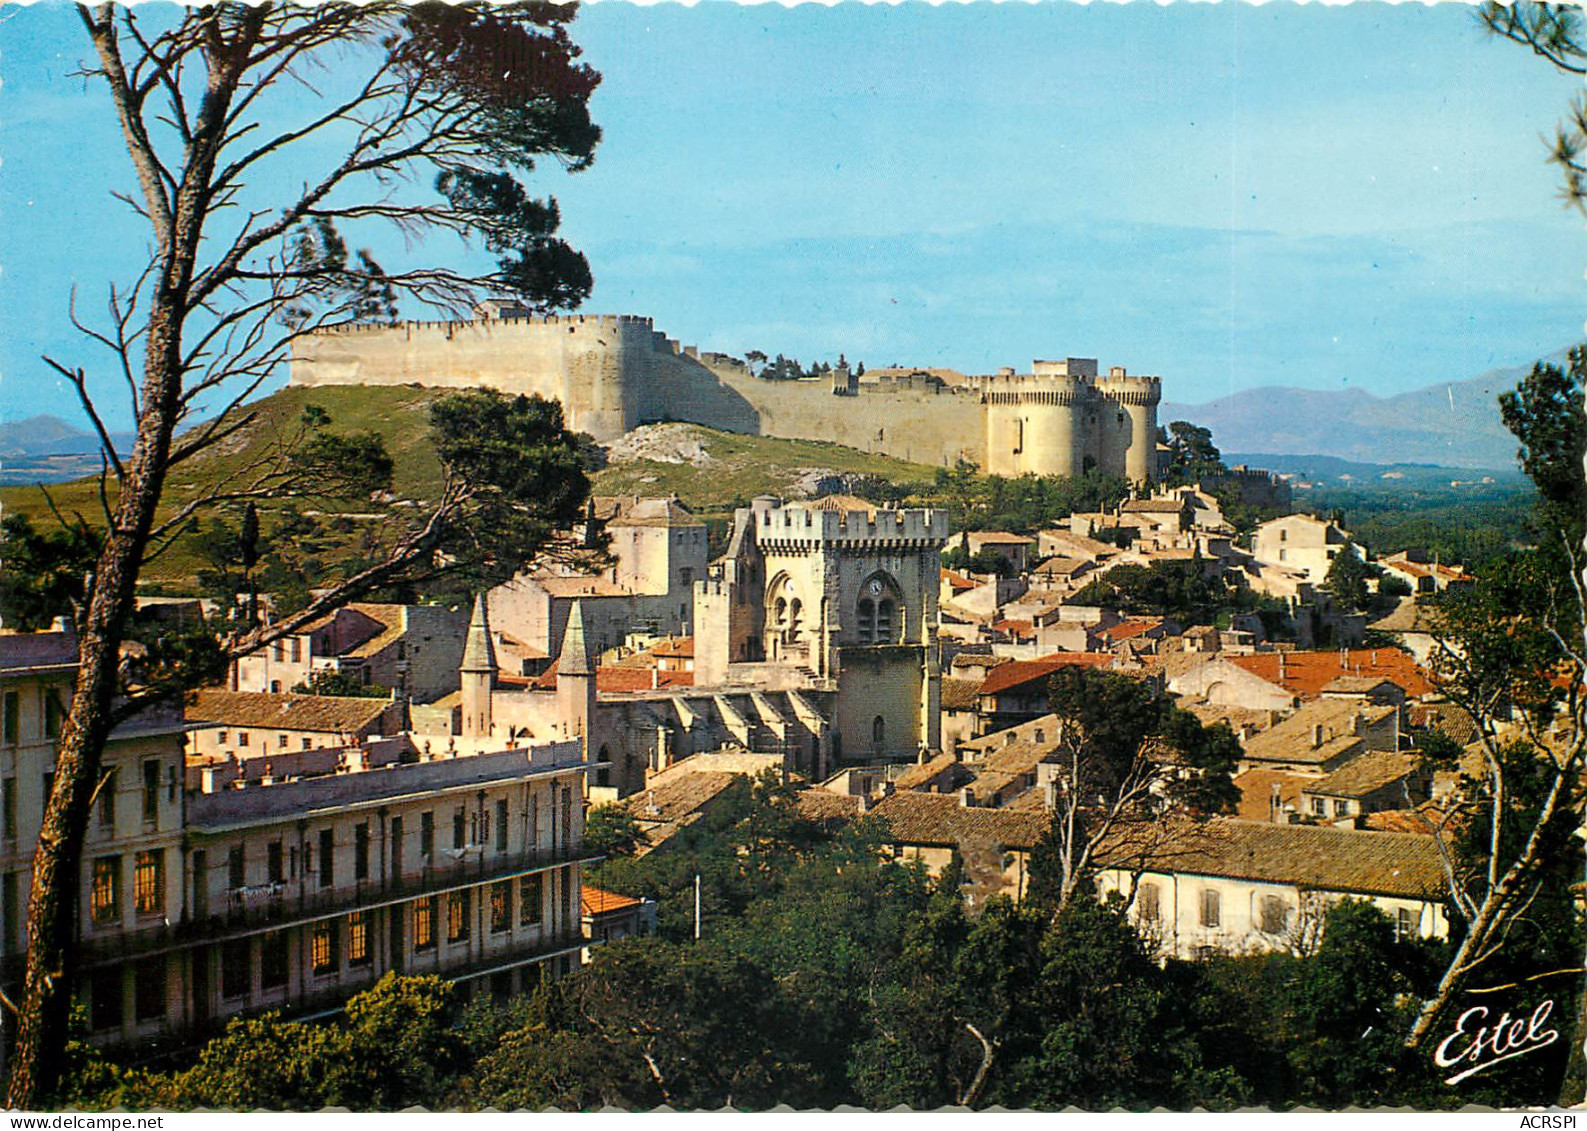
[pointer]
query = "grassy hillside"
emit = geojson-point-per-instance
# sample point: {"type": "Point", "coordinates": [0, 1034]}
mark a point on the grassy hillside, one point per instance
{"type": "Point", "coordinates": [731, 470]}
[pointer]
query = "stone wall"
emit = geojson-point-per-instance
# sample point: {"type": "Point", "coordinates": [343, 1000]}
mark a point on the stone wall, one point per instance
{"type": "Point", "coordinates": [615, 372]}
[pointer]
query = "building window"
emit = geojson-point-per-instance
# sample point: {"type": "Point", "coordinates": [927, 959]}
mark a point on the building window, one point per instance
{"type": "Point", "coordinates": [236, 968]}
{"type": "Point", "coordinates": [54, 714]}
{"type": "Point", "coordinates": [1146, 905]}
{"type": "Point", "coordinates": [867, 619]}
{"type": "Point", "coordinates": [105, 889]}
{"type": "Point", "coordinates": [501, 825]}
{"type": "Point", "coordinates": [275, 863]}
{"type": "Point", "coordinates": [275, 955]}
{"type": "Point", "coordinates": [878, 732]}
{"type": "Point", "coordinates": [459, 828]}
{"type": "Point", "coordinates": [107, 801]}
{"type": "Point", "coordinates": [281, 741]}
{"type": "Point", "coordinates": [1211, 908]}
{"type": "Point", "coordinates": [308, 744]}
{"type": "Point", "coordinates": [10, 723]}
{"type": "Point", "coordinates": [327, 857]}
{"type": "Point", "coordinates": [426, 834]}
{"type": "Point", "coordinates": [322, 947]}
{"type": "Point", "coordinates": [220, 737]}
{"type": "Point", "coordinates": [424, 924]}
{"type": "Point", "coordinates": [8, 807]}
{"type": "Point", "coordinates": [1274, 915]}
{"type": "Point", "coordinates": [278, 651]}
{"type": "Point", "coordinates": [531, 899]}
{"type": "Point", "coordinates": [242, 738]}
{"type": "Point", "coordinates": [358, 939]}
{"type": "Point", "coordinates": [296, 647]}
{"type": "Point", "coordinates": [396, 848]}
{"type": "Point", "coordinates": [1341, 808]}
{"type": "Point", "coordinates": [148, 882]}
{"type": "Point", "coordinates": [105, 993]}
{"type": "Point", "coordinates": [501, 906]}
{"type": "Point", "coordinates": [458, 906]}
{"type": "Point", "coordinates": [1407, 924]}
{"type": "Point", "coordinates": [148, 989]}
{"type": "Point", "coordinates": [151, 792]}
{"type": "Point", "coordinates": [361, 851]}
{"type": "Point", "coordinates": [236, 867]}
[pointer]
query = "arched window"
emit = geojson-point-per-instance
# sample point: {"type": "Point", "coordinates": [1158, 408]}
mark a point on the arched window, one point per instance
{"type": "Point", "coordinates": [867, 623]}
{"type": "Point", "coordinates": [884, 621]}
{"type": "Point", "coordinates": [795, 609]}
{"type": "Point", "coordinates": [878, 732]}
{"type": "Point", "coordinates": [782, 613]}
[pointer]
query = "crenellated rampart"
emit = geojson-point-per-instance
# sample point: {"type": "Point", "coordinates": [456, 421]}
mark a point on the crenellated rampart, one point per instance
{"type": "Point", "coordinates": [614, 372]}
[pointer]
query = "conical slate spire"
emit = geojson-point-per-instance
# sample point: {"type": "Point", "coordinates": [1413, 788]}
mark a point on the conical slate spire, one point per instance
{"type": "Point", "coordinates": [575, 656]}
{"type": "Point", "coordinates": [478, 653]}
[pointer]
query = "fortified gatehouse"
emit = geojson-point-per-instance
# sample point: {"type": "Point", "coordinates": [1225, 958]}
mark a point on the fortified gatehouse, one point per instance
{"type": "Point", "coordinates": [613, 373]}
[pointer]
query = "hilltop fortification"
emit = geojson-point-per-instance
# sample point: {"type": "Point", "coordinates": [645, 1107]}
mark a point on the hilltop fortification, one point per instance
{"type": "Point", "coordinates": [613, 373]}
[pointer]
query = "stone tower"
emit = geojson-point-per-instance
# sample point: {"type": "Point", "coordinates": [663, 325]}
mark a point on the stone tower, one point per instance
{"type": "Point", "coordinates": [477, 672]}
{"type": "Point", "coordinates": [575, 677]}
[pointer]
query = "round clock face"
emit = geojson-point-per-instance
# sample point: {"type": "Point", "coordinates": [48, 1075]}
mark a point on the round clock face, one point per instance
{"type": "Point", "coordinates": [875, 587]}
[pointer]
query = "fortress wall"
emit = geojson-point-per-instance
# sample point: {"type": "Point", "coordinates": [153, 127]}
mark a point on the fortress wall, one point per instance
{"type": "Point", "coordinates": [615, 372]}
{"type": "Point", "coordinates": [917, 425]}
{"type": "Point", "coordinates": [585, 361]}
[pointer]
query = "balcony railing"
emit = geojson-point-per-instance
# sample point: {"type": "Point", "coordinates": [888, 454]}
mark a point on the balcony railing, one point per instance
{"type": "Point", "coordinates": [274, 906]}
{"type": "Point", "coordinates": [308, 1004]}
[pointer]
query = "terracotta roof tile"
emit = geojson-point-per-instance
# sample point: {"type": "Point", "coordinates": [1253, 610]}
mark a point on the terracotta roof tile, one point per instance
{"type": "Point", "coordinates": [594, 901]}
{"type": "Point", "coordinates": [939, 819]}
{"type": "Point", "coordinates": [1016, 673]}
{"type": "Point", "coordinates": [959, 694]}
{"type": "Point", "coordinates": [1307, 673]}
{"type": "Point", "coordinates": [1327, 859]}
{"type": "Point", "coordinates": [318, 713]}
{"type": "Point", "coordinates": [1361, 776]}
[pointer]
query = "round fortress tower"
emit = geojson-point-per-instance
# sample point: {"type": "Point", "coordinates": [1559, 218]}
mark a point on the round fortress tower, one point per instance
{"type": "Point", "coordinates": [1036, 422]}
{"type": "Point", "coordinates": [1134, 427]}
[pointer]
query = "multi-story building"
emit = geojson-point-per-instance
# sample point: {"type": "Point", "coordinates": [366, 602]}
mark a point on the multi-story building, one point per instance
{"type": "Point", "coordinates": [1303, 543]}
{"type": "Point", "coordinates": [294, 891]}
{"type": "Point", "coordinates": [411, 649]}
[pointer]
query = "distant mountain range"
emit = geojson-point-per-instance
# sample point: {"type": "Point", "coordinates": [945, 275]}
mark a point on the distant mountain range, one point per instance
{"type": "Point", "coordinates": [1451, 425]}
{"type": "Point", "coordinates": [46, 449]}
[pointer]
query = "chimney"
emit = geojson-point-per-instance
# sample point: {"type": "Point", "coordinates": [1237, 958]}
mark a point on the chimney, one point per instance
{"type": "Point", "coordinates": [1355, 724]}
{"type": "Point", "coordinates": [1316, 735]}
{"type": "Point", "coordinates": [1275, 804]}
{"type": "Point", "coordinates": [888, 788]}
{"type": "Point", "coordinates": [967, 797]}
{"type": "Point", "coordinates": [865, 803]}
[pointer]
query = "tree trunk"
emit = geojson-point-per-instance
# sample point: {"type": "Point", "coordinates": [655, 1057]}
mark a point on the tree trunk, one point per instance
{"type": "Point", "coordinates": [52, 903]}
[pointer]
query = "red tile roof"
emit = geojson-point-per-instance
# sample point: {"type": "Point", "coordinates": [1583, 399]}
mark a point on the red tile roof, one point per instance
{"type": "Point", "coordinates": [1307, 673]}
{"type": "Point", "coordinates": [594, 901]}
{"type": "Point", "coordinates": [1125, 629]}
{"type": "Point", "coordinates": [1005, 677]}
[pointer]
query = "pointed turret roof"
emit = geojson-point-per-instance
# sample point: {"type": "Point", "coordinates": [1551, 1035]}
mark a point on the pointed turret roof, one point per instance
{"type": "Point", "coordinates": [575, 656]}
{"type": "Point", "coordinates": [478, 653]}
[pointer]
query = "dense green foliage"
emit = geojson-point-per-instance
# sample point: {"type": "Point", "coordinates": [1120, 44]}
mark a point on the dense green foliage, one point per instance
{"type": "Point", "coordinates": [1021, 505]}
{"type": "Point", "coordinates": [330, 681]}
{"type": "Point", "coordinates": [1181, 591]}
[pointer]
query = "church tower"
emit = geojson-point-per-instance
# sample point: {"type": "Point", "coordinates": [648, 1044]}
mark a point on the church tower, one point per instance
{"type": "Point", "coordinates": [575, 677]}
{"type": "Point", "coordinates": [478, 672]}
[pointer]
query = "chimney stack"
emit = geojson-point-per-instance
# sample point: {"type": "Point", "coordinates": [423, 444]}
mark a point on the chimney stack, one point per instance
{"type": "Point", "coordinates": [1316, 735]}
{"type": "Point", "coordinates": [967, 797]}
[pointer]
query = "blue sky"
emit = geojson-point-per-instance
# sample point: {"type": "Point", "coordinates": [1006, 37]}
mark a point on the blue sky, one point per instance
{"type": "Point", "coordinates": [1229, 196]}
